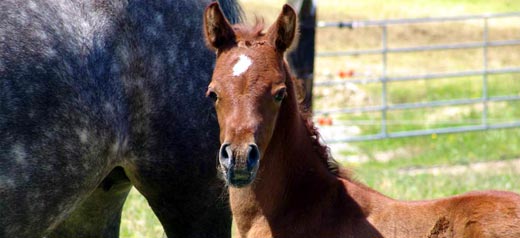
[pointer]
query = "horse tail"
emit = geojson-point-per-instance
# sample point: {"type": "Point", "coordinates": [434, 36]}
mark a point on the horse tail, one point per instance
{"type": "Point", "coordinates": [233, 11]}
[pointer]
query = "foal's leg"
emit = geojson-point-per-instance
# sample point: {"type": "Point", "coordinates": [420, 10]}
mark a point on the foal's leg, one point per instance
{"type": "Point", "coordinates": [100, 215]}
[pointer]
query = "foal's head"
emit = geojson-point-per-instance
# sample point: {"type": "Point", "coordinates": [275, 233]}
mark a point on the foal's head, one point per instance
{"type": "Point", "coordinates": [248, 87]}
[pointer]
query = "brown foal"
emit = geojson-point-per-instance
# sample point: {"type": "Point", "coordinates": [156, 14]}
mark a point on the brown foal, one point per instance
{"type": "Point", "coordinates": [282, 181]}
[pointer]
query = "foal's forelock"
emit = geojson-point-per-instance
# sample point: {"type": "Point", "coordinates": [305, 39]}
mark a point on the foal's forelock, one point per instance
{"type": "Point", "coordinates": [246, 34]}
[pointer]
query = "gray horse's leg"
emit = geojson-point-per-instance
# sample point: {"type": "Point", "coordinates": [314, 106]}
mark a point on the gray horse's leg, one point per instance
{"type": "Point", "coordinates": [100, 215]}
{"type": "Point", "coordinates": [187, 207]}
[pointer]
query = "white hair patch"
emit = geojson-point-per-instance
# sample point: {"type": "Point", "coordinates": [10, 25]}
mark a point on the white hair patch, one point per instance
{"type": "Point", "coordinates": [242, 65]}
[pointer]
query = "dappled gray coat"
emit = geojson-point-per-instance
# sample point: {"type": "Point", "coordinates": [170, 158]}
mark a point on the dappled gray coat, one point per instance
{"type": "Point", "coordinates": [99, 95]}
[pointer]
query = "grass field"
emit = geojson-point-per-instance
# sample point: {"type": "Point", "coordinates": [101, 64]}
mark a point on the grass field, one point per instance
{"type": "Point", "coordinates": [389, 165]}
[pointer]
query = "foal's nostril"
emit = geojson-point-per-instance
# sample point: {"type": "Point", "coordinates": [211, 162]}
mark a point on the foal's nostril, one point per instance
{"type": "Point", "coordinates": [225, 155]}
{"type": "Point", "coordinates": [253, 155]}
{"type": "Point", "coordinates": [223, 151]}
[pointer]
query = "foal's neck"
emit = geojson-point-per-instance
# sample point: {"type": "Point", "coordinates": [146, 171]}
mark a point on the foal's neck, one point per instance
{"type": "Point", "coordinates": [294, 187]}
{"type": "Point", "coordinates": [291, 167]}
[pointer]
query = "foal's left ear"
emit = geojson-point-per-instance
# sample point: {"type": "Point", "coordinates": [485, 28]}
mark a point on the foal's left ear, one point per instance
{"type": "Point", "coordinates": [217, 30]}
{"type": "Point", "coordinates": [283, 31]}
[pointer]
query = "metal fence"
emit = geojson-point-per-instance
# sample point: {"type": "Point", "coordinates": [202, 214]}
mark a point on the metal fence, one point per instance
{"type": "Point", "coordinates": [384, 79]}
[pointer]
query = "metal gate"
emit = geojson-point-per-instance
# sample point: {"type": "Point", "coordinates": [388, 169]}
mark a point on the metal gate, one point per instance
{"type": "Point", "coordinates": [384, 78]}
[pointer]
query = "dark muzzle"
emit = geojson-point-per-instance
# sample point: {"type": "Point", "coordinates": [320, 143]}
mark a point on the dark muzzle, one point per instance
{"type": "Point", "coordinates": [239, 164]}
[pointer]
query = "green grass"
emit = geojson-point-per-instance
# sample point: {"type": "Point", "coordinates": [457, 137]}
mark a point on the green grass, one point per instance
{"type": "Point", "coordinates": [377, 9]}
{"type": "Point", "coordinates": [138, 220]}
{"type": "Point", "coordinates": [419, 91]}
{"type": "Point", "coordinates": [331, 10]}
{"type": "Point", "coordinates": [395, 184]}
{"type": "Point", "coordinates": [448, 149]}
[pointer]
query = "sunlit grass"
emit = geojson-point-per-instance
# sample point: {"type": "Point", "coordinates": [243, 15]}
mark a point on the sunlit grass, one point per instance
{"type": "Point", "coordinates": [138, 220]}
{"type": "Point", "coordinates": [399, 185]}
{"type": "Point", "coordinates": [448, 149]}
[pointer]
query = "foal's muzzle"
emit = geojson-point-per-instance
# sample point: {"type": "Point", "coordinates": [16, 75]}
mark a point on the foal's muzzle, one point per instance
{"type": "Point", "coordinates": [239, 163]}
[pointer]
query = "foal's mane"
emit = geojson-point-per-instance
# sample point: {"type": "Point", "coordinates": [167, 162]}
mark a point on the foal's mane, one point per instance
{"type": "Point", "coordinates": [247, 36]}
{"type": "Point", "coordinates": [306, 115]}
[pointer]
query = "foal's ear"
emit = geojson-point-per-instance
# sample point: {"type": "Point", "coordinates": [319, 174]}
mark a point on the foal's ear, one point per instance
{"type": "Point", "coordinates": [218, 31]}
{"type": "Point", "coordinates": [283, 31]}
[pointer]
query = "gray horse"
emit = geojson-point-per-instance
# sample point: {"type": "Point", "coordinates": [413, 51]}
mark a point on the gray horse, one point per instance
{"type": "Point", "coordinates": [100, 95]}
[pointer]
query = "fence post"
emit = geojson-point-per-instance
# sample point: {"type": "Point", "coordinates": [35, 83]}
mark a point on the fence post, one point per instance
{"type": "Point", "coordinates": [384, 79]}
{"type": "Point", "coordinates": [485, 95]}
{"type": "Point", "coordinates": [301, 58]}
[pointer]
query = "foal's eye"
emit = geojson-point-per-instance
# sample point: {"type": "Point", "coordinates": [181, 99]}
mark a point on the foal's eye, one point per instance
{"type": "Point", "coordinates": [212, 95]}
{"type": "Point", "coordinates": [280, 95]}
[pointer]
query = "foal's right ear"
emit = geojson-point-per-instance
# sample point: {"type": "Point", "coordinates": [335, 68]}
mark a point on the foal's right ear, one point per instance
{"type": "Point", "coordinates": [217, 29]}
